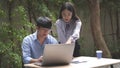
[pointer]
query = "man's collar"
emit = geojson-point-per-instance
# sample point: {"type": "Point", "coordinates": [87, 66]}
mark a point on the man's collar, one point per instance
{"type": "Point", "coordinates": [35, 35]}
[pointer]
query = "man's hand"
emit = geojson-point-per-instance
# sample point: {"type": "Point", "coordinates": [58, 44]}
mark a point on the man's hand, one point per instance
{"type": "Point", "coordinates": [36, 60]}
{"type": "Point", "coordinates": [40, 59]}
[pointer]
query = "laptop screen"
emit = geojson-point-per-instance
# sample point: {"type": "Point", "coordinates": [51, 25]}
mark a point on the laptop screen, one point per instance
{"type": "Point", "coordinates": [58, 54]}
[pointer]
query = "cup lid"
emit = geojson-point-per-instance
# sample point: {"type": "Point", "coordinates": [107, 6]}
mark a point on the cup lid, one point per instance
{"type": "Point", "coordinates": [99, 51]}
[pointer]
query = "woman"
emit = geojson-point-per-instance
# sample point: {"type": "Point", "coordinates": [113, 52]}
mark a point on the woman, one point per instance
{"type": "Point", "coordinates": [68, 27]}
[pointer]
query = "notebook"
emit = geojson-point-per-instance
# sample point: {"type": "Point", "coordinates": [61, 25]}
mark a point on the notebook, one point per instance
{"type": "Point", "coordinates": [57, 54]}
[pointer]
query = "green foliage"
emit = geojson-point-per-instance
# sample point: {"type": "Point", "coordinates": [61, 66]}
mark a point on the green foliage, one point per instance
{"type": "Point", "coordinates": [114, 4]}
{"type": "Point", "coordinates": [11, 58]}
{"type": "Point", "coordinates": [11, 38]}
{"type": "Point", "coordinates": [2, 13]}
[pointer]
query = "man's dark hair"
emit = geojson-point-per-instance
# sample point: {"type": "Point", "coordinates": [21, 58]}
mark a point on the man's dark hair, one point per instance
{"type": "Point", "coordinates": [44, 22]}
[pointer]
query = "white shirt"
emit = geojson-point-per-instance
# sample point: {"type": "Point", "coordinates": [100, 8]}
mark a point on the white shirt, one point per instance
{"type": "Point", "coordinates": [73, 30]}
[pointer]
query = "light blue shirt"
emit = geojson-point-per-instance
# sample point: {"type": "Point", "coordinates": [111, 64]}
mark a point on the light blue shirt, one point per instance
{"type": "Point", "coordinates": [31, 47]}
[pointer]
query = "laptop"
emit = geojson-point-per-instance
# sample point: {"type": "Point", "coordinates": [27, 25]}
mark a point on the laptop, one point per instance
{"type": "Point", "coordinates": [57, 54]}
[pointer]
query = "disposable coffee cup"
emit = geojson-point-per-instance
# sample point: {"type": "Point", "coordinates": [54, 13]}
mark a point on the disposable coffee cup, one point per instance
{"type": "Point", "coordinates": [99, 54]}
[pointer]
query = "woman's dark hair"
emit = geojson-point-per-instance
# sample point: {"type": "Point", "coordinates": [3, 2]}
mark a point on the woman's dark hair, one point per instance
{"type": "Point", "coordinates": [44, 22]}
{"type": "Point", "coordinates": [69, 6]}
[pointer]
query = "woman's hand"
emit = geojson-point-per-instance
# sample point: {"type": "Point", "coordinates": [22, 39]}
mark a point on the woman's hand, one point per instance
{"type": "Point", "coordinates": [69, 41]}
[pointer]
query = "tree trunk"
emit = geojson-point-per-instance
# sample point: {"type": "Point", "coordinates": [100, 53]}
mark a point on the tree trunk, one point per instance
{"type": "Point", "coordinates": [29, 7]}
{"type": "Point", "coordinates": [118, 26]}
{"type": "Point", "coordinates": [10, 6]}
{"type": "Point", "coordinates": [96, 29]}
{"type": "Point", "coordinates": [104, 19]}
{"type": "Point", "coordinates": [111, 22]}
{"type": "Point", "coordinates": [0, 60]}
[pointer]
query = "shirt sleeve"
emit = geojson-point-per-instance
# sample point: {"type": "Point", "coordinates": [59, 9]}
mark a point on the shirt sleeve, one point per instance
{"type": "Point", "coordinates": [76, 33]}
{"type": "Point", "coordinates": [54, 41]}
{"type": "Point", "coordinates": [26, 51]}
{"type": "Point", "coordinates": [60, 33]}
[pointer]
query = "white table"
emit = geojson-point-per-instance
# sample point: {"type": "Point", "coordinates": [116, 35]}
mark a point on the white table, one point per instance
{"type": "Point", "coordinates": [84, 62]}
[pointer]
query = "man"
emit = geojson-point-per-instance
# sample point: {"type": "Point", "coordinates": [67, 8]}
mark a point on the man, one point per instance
{"type": "Point", "coordinates": [33, 44]}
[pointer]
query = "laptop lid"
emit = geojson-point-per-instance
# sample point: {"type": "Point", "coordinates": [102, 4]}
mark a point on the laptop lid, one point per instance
{"type": "Point", "coordinates": [57, 54]}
